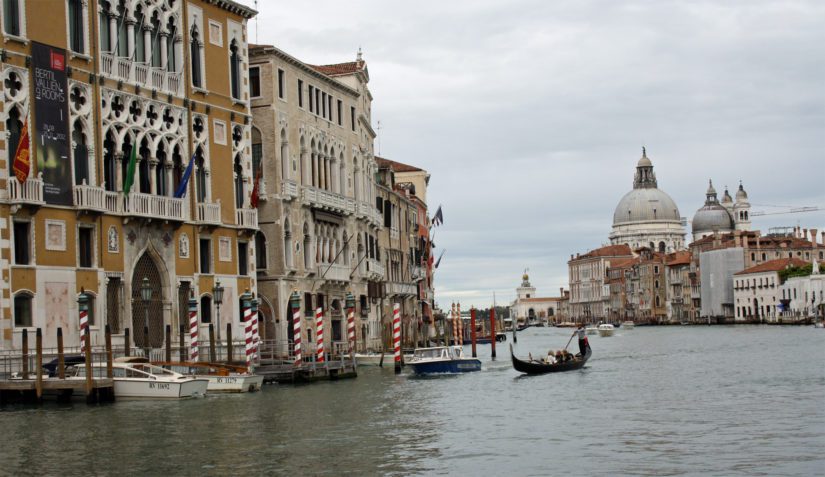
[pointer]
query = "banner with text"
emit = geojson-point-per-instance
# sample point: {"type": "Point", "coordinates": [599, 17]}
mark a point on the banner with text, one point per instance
{"type": "Point", "coordinates": [51, 115]}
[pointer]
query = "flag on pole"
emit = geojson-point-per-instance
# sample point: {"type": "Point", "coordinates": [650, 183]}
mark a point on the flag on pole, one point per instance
{"type": "Point", "coordinates": [439, 258]}
{"type": "Point", "coordinates": [129, 180]}
{"type": "Point", "coordinates": [184, 180]}
{"type": "Point", "coordinates": [256, 191]}
{"type": "Point", "coordinates": [438, 218]}
{"type": "Point", "coordinates": [22, 164]}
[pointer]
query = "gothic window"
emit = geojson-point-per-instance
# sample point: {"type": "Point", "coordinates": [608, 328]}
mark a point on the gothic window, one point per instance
{"type": "Point", "coordinates": [155, 41]}
{"type": "Point", "coordinates": [145, 178]}
{"type": "Point", "coordinates": [260, 250]}
{"type": "Point", "coordinates": [195, 58]}
{"type": "Point", "coordinates": [287, 245]}
{"type": "Point", "coordinates": [239, 183]}
{"type": "Point", "coordinates": [122, 45]}
{"type": "Point", "coordinates": [307, 246]}
{"type": "Point", "coordinates": [105, 34]}
{"type": "Point", "coordinates": [257, 152]}
{"type": "Point", "coordinates": [284, 156]}
{"type": "Point", "coordinates": [14, 126]}
{"type": "Point", "coordinates": [177, 168]}
{"type": "Point", "coordinates": [171, 51]}
{"type": "Point", "coordinates": [200, 175]}
{"type": "Point", "coordinates": [127, 153]}
{"type": "Point", "coordinates": [160, 171]}
{"type": "Point", "coordinates": [235, 70]}
{"type": "Point", "coordinates": [109, 163]}
{"type": "Point", "coordinates": [140, 39]}
{"type": "Point", "coordinates": [76, 40]}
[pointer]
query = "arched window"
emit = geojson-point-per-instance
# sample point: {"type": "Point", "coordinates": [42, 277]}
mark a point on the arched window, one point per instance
{"type": "Point", "coordinates": [156, 39]}
{"type": "Point", "coordinates": [126, 152]}
{"type": "Point", "coordinates": [257, 152]}
{"type": "Point", "coordinates": [287, 245]}
{"type": "Point", "coordinates": [200, 175]}
{"type": "Point", "coordinates": [195, 57]}
{"type": "Point", "coordinates": [109, 163]}
{"type": "Point", "coordinates": [23, 310]}
{"type": "Point", "coordinates": [105, 34]}
{"type": "Point", "coordinates": [14, 126]}
{"type": "Point", "coordinates": [145, 176]}
{"type": "Point", "coordinates": [235, 70]}
{"type": "Point", "coordinates": [75, 17]}
{"type": "Point", "coordinates": [160, 171]}
{"type": "Point", "coordinates": [239, 182]}
{"type": "Point", "coordinates": [662, 247]}
{"type": "Point", "coordinates": [171, 51]}
{"type": "Point", "coordinates": [177, 168]}
{"type": "Point", "coordinates": [307, 248]}
{"type": "Point", "coordinates": [260, 251]}
{"type": "Point", "coordinates": [81, 155]}
{"type": "Point", "coordinates": [206, 309]}
{"type": "Point", "coordinates": [285, 175]}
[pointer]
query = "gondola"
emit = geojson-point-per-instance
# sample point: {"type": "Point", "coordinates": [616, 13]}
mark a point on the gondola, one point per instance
{"type": "Point", "coordinates": [535, 367]}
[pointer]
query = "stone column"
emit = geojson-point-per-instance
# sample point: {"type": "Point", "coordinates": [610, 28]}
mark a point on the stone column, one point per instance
{"type": "Point", "coordinates": [113, 34]}
{"type": "Point", "coordinates": [118, 171]}
{"type": "Point", "coordinates": [147, 46]}
{"type": "Point", "coordinates": [169, 178]}
{"type": "Point", "coordinates": [153, 186]}
{"type": "Point", "coordinates": [163, 36]}
{"type": "Point", "coordinates": [130, 37]}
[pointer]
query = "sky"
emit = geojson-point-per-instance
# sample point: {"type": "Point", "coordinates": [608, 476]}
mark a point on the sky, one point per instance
{"type": "Point", "coordinates": [530, 116]}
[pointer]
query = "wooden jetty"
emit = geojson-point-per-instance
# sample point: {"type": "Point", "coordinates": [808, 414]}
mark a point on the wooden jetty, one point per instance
{"type": "Point", "coordinates": [278, 367]}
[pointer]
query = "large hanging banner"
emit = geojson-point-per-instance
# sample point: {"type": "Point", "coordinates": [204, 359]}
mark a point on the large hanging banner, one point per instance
{"type": "Point", "coordinates": [51, 115]}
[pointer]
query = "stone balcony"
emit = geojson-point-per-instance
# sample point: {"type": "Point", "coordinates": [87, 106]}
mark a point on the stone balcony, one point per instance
{"type": "Point", "coordinates": [208, 213]}
{"type": "Point", "coordinates": [418, 273]}
{"type": "Point", "coordinates": [326, 200]}
{"type": "Point", "coordinates": [153, 207]}
{"type": "Point", "coordinates": [334, 272]}
{"type": "Point", "coordinates": [27, 193]}
{"type": "Point", "coordinates": [90, 198]}
{"type": "Point", "coordinates": [373, 269]}
{"type": "Point", "coordinates": [247, 218]}
{"type": "Point", "coordinates": [369, 213]}
{"type": "Point", "coordinates": [401, 289]}
{"type": "Point", "coordinates": [141, 74]}
{"type": "Point", "coordinates": [289, 190]}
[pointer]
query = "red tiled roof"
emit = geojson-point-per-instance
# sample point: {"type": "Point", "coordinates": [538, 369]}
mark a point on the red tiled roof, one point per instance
{"type": "Point", "coordinates": [678, 258]}
{"type": "Point", "coordinates": [608, 251]}
{"type": "Point", "coordinates": [537, 299]}
{"type": "Point", "coordinates": [396, 166]}
{"type": "Point", "coordinates": [773, 266]}
{"type": "Point", "coordinates": [339, 68]}
{"type": "Point", "coordinates": [623, 262]}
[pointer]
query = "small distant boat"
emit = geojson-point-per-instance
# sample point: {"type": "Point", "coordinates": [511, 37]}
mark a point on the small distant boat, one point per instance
{"type": "Point", "coordinates": [567, 324]}
{"type": "Point", "coordinates": [628, 325]}
{"type": "Point", "coordinates": [819, 324]}
{"type": "Point", "coordinates": [223, 378]}
{"type": "Point", "coordinates": [538, 367]}
{"type": "Point", "coordinates": [591, 330]}
{"type": "Point", "coordinates": [606, 329]}
{"type": "Point", "coordinates": [135, 377]}
{"type": "Point", "coordinates": [442, 359]}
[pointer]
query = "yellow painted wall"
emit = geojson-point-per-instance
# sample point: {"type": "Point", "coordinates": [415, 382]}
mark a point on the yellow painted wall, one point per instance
{"type": "Point", "coordinates": [46, 21]}
{"type": "Point", "coordinates": [57, 258]}
{"type": "Point", "coordinates": [186, 267]}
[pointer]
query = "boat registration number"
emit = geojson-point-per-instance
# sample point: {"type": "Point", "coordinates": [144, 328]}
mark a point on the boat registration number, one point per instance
{"type": "Point", "coordinates": [227, 380]}
{"type": "Point", "coordinates": [466, 366]}
{"type": "Point", "coordinates": [159, 386]}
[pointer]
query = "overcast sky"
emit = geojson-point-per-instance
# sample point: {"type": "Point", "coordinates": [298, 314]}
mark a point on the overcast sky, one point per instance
{"type": "Point", "coordinates": [531, 115]}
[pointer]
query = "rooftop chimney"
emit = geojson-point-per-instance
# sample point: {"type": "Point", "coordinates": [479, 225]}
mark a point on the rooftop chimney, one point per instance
{"type": "Point", "coordinates": [813, 238]}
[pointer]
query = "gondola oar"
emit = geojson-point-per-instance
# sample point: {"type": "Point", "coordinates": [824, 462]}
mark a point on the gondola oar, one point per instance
{"type": "Point", "coordinates": [571, 339]}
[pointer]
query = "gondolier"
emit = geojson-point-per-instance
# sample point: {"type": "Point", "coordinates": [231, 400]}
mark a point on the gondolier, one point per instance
{"type": "Point", "coordinates": [582, 340]}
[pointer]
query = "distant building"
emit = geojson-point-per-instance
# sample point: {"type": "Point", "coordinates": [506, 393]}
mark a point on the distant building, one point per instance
{"type": "Point", "coordinates": [757, 290]}
{"type": "Point", "coordinates": [647, 216]}
{"type": "Point", "coordinates": [589, 295]}
{"type": "Point", "coordinates": [804, 297]}
{"type": "Point", "coordinates": [529, 308]}
{"type": "Point", "coordinates": [678, 286]}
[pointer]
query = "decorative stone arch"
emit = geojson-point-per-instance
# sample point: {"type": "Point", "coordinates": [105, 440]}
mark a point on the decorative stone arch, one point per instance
{"type": "Point", "coordinates": [150, 264]}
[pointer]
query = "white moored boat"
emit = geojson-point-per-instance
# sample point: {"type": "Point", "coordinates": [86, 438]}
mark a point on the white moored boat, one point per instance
{"type": "Point", "coordinates": [223, 378]}
{"type": "Point", "coordinates": [606, 329]}
{"type": "Point", "coordinates": [371, 359]}
{"type": "Point", "coordinates": [628, 325]}
{"type": "Point", "coordinates": [135, 377]}
{"type": "Point", "coordinates": [591, 330]}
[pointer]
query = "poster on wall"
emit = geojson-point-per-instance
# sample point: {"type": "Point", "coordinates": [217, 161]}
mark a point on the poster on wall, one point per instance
{"type": "Point", "coordinates": [51, 115]}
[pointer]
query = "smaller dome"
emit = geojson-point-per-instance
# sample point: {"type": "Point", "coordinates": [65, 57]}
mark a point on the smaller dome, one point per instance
{"type": "Point", "coordinates": [741, 195]}
{"type": "Point", "coordinates": [726, 199]}
{"type": "Point", "coordinates": [712, 218]}
{"type": "Point", "coordinates": [711, 190]}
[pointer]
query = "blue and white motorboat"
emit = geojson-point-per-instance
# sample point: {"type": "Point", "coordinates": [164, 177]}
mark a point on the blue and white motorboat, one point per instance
{"type": "Point", "coordinates": [443, 359]}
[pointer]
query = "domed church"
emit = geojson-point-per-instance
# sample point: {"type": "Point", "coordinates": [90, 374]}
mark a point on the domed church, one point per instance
{"type": "Point", "coordinates": [721, 217]}
{"type": "Point", "coordinates": [646, 216]}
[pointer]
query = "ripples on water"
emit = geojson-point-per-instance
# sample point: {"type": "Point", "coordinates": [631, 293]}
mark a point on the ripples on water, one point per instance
{"type": "Point", "coordinates": [651, 401]}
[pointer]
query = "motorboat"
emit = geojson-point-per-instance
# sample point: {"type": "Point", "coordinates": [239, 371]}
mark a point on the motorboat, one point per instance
{"type": "Point", "coordinates": [628, 325]}
{"type": "Point", "coordinates": [442, 359]}
{"type": "Point", "coordinates": [591, 330]}
{"type": "Point", "coordinates": [606, 329]}
{"type": "Point", "coordinates": [372, 359]}
{"type": "Point", "coordinates": [135, 377]}
{"type": "Point", "coordinates": [223, 378]}
{"type": "Point", "coordinates": [533, 366]}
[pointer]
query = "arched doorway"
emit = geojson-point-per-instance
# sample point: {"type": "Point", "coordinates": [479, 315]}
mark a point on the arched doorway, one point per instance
{"type": "Point", "coordinates": [146, 268]}
{"type": "Point", "coordinates": [756, 308]}
{"type": "Point", "coordinates": [266, 320]}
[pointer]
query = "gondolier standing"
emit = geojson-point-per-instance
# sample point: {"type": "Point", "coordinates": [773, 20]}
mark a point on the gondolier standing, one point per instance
{"type": "Point", "coordinates": [582, 339]}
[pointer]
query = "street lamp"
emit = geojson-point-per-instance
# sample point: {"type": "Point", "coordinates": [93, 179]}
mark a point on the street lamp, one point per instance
{"type": "Point", "coordinates": [145, 297]}
{"type": "Point", "coordinates": [217, 296]}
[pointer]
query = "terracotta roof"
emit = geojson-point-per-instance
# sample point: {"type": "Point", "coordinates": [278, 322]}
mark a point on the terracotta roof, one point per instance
{"type": "Point", "coordinates": [537, 299]}
{"type": "Point", "coordinates": [773, 266]}
{"type": "Point", "coordinates": [623, 262]}
{"type": "Point", "coordinates": [608, 251]}
{"type": "Point", "coordinates": [347, 68]}
{"type": "Point", "coordinates": [396, 166]}
{"type": "Point", "coordinates": [678, 258]}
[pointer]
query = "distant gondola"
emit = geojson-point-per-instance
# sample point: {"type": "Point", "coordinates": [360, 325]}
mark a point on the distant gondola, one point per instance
{"type": "Point", "coordinates": [536, 367]}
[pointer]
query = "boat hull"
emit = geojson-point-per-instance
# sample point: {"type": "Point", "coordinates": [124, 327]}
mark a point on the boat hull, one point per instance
{"type": "Point", "coordinates": [129, 388]}
{"type": "Point", "coordinates": [528, 367]}
{"type": "Point", "coordinates": [234, 384]}
{"type": "Point", "coordinates": [452, 366]}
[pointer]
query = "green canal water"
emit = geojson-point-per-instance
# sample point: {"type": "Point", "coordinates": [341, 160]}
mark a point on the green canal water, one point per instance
{"type": "Point", "coordinates": [728, 401]}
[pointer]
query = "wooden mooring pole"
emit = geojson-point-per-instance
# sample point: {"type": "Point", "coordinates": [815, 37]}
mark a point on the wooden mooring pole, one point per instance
{"type": "Point", "coordinates": [109, 372]}
{"type": "Point", "coordinates": [146, 348]}
{"type": "Point", "coordinates": [473, 329]}
{"type": "Point", "coordinates": [182, 343]}
{"type": "Point", "coordinates": [168, 343]}
{"type": "Point", "coordinates": [88, 365]}
{"type": "Point", "coordinates": [38, 384]}
{"type": "Point", "coordinates": [127, 342]}
{"type": "Point", "coordinates": [212, 343]}
{"type": "Point", "coordinates": [229, 348]}
{"type": "Point", "coordinates": [25, 363]}
{"type": "Point", "coordinates": [493, 332]}
{"type": "Point", "coordinates": [61, 359]}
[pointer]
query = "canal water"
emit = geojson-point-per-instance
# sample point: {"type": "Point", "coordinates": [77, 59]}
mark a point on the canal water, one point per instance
{"type": "Point", "coordinates": [747, 400]}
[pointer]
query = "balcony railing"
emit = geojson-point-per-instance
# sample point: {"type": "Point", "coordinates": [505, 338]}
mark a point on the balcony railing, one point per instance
{"type": "Point", "coordinates": [289, 190]}
{"type": "Point", "coordinates": [369, 213]}
{"type": "Point", "coordinates": [400, 288]}
{"type": "Point", "coordinates": [418, 273]}
{"type": "Point", "coordinates": [326, 200]}
{"type": "Point", "coordinates": [112, 202]}
{"type": "Point", "coordinates": [246, 218]}
{"type": "Point", "coordinates": [90, 197]}
{"type": "Point", "coordinates": [209, 213]}
{"type": "Point", "coordinates": [153, 206]}
{"type": "Point", "coordinates": [334, 272]}
{"type": "Point", "coordinates": [374, 269]}
{"type": "Point", "coordinates": [29, 192]}
{"type": "Point", "coordinates": [142, 74]}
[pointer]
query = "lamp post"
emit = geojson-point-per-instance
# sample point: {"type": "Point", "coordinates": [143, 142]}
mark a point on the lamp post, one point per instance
{"type": "Point", "coordinates": [217, 295]}
{"type": "Point", "coordinates": [145, 297]}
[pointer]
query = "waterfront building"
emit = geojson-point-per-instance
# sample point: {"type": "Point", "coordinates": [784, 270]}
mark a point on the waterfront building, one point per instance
{"type": "Point", "coordinates": [804, 296]}
{"type": "Point", "coordinates": [118, 99]}
{"type": "Point", "coordinates": [678, 286]}
{"type": "Point", "coordinates": [320, 225]}
{"type": "Point", "coordinates": [757, 290]}
{"type": "Point", "coordinates": [715, 217]}
{"type": "Point", "coordinates": [647, 216]}
{"type": "Point", "coordinates": [529, 308]}
{"type": "Point", "coordinates": [589, 297]}
{"type": "Point", "coordinates": [621, 279]}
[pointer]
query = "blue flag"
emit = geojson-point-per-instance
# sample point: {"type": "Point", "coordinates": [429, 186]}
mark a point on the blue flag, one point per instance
{"type": "Point", "coordinates": [184, 181]}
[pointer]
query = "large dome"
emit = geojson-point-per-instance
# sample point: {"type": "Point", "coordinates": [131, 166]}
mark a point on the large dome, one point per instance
{"type": "Point", "coordinates": [646, 205]}
{"type": "Point", "coordinates": [712, 218]}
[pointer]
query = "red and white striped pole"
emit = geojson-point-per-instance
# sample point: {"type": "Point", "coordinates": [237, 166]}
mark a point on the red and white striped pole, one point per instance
{"type": "Point", "coordinates": [460, 324]}
{"type": "Point", "coordinates": [350, 301]}
{"type": "Point", "coordinates": [82, 301]}
{"type": "Point", "coordinates": [193, 327]}
{"type": "Point", "coordinates": [319, 335]}
{"type": "Point", "coordinates": [255, 337]}
{"type": "Point", "coordinates": [247, 320]}
{"type": "Point", "coordinates": [455, 324]}
{"type": "Point", "coordinates": [295, 302]}
{"type": "Point", "coordinates": [396, 335]}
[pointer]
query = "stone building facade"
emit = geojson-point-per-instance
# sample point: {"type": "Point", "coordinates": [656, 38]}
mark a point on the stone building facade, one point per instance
{"type": "Point", "coordinates": [589, 296]}
{"type": "Point", "coordinates": [94, 80]}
